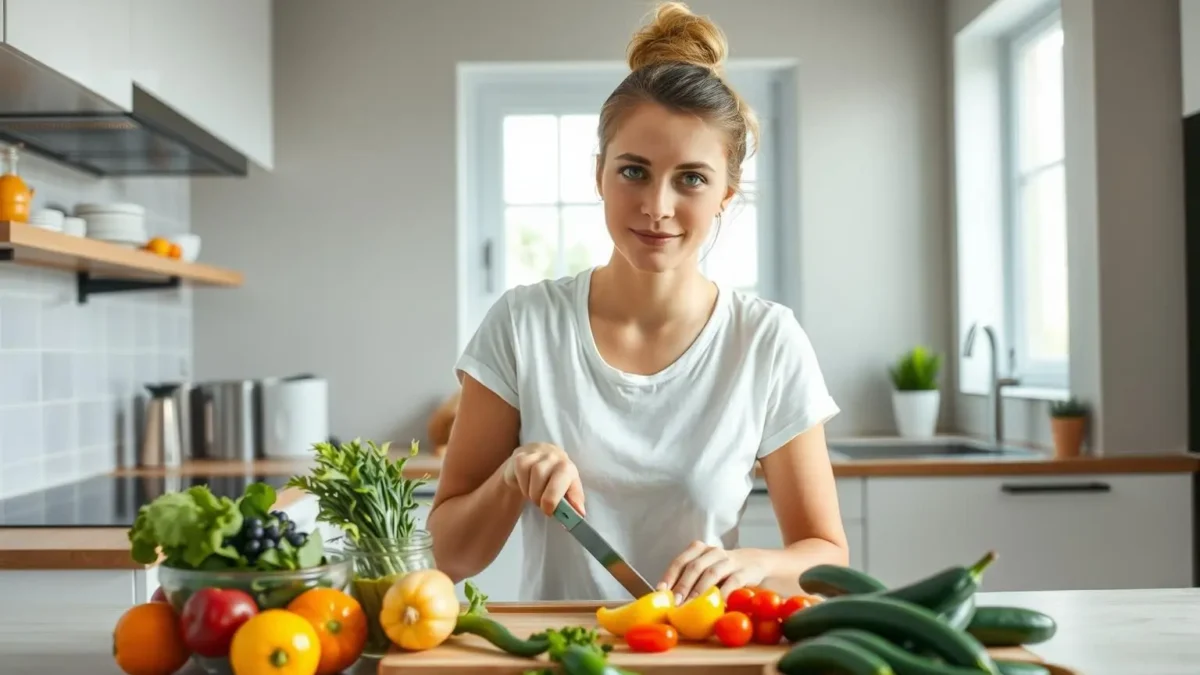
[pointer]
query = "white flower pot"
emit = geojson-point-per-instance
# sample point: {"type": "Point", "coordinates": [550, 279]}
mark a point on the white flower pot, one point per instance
{"type": "Point", "coordinates": [916, 412]}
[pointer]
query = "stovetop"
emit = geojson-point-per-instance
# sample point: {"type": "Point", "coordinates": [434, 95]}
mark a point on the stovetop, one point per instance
{"type": "Point", "coordinates": [112, 501]}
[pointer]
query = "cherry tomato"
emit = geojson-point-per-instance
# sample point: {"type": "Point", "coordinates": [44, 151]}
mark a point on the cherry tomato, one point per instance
{"type": "Point", "coordinates": [734, 629]}
{"type": "Point", "coordinates": [651, 637]}
{"type": "Point", "coordinates": [766, 605]}
{"type": "Point", "coordinates": [767, 631]}
{"type": "Point", "coordinates": [741, 600]}
{"type": "Point", "coordinates": [796, 603]}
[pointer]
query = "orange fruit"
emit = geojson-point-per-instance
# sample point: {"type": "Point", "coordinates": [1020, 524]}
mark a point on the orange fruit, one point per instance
{"type": "Point", "coordinates": [341, 626]}
{"type": "Point", "coordinates": [148, 640]}
{"type": "Point", "coordinates": [275, 642]}
{"type": "Point", "coordinates": [159, 245]}
{"type": "Point", "coordinates": [176, 252]}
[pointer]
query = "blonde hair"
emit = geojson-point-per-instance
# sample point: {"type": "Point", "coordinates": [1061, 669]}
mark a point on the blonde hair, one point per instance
{"type": "Point", "coordinates": [677, 61]}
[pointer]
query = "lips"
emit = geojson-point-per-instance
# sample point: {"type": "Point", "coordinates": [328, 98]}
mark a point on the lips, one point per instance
{"type": "Point", "coordinates": [653, 238]}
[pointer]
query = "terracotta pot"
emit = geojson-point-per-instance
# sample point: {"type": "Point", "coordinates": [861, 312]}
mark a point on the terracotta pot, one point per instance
{"type": "Point", "coordinates": [1068, 435]}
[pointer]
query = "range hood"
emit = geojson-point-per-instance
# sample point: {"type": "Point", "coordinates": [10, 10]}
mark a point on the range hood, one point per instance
{"type": "Point", "coordinates": [50, 115]}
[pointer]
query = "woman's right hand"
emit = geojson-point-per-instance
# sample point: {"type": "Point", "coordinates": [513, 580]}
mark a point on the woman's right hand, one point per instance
{"type": "Point", "coordinates": [544, 474]}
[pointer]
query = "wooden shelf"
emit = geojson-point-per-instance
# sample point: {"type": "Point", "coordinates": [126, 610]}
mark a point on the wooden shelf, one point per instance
{"type": "Point", "coordinates": [103, 267]}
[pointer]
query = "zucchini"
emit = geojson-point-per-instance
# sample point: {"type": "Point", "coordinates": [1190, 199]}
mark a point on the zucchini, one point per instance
{"type": "Point", "coordinates": [829, 655]}
{"type": "Point", "coordinates": [949, 587]}
{"type": "Point", "coordinates": [1010, 626]}
{"type": "Point", "coordinates": [958, 615]}
{"type": "Point", "coordinates": [896, 620]}
{"type": "Point", "coordinates": [1021, 668]}
{"type": "Point", "coordinates": [834, 580]}
{"type": "Point", "coordinates": [901, 660]}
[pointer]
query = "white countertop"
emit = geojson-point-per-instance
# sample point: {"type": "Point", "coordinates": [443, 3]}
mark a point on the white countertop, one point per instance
{"type": "Point", "coordinates": [1121, 632]}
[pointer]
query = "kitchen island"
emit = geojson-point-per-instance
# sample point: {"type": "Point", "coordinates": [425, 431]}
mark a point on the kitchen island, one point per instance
{"type": "Point", "coordinates": [1101, 632]}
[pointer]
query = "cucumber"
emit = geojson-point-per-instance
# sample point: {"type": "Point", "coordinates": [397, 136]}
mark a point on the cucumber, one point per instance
{"type": "Point", "coordinates": [958, 615]}
{"type": "Point", "coordinates": [828, 655]}
{"type": "Point", "coordinates": [949, 587]}
{"type": "Point", "coordinates": [1010, 626]}
{"type": "Point", "coordinates": [1021, 668]}
{"type": "Point", "coordinates": [901, 660]}
{"type": "Point", "coordinates": [898, 621]}
{"type": "Point", "coordinates": [835, 580]}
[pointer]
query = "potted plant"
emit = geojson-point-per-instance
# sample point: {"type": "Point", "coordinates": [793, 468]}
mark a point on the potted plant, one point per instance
{"type": "Point", "coordinates": [915, 397]}
{"type": "Point", "coordinates": [1068, 423]}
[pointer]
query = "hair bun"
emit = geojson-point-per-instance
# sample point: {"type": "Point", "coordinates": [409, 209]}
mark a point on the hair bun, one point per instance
{"type": "Point", "coordinates": [676, 34]}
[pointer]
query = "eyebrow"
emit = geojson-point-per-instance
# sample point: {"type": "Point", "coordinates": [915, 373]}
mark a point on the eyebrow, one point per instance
{"type": "Point", "coordinates": [638, 159]}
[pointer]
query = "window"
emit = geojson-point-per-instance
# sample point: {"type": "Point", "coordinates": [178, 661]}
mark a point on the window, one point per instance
{"type": "Point", "coordinates": [531, 208]}
{"type": "Point", "coordinates": [1036, 269]}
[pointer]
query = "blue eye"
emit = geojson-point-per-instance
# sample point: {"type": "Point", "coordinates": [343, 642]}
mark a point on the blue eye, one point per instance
{"type": "Point", "coordinates": [697, 182]}
{"type": "Point", "coordinates": [633, 172]}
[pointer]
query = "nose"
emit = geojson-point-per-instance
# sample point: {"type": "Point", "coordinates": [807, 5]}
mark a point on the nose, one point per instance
{"type": "Point", "coordinates": [658, 202]}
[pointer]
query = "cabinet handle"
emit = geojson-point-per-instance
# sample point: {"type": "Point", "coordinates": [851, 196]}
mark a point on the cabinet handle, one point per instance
{"type": "Point", "coordinates": [1055, 487]}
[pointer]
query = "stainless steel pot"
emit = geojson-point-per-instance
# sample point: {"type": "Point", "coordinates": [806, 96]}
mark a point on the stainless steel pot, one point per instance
{"type": "Point", "coordinates": [227, 419]}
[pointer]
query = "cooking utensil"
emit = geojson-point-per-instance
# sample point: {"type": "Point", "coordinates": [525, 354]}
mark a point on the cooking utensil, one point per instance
{"type": "Point", "coordinates": [228, 421]}
{"type": "Point", "coordinates": [600, 549]}
{"type": "Point", "coordinates": [160, 437]}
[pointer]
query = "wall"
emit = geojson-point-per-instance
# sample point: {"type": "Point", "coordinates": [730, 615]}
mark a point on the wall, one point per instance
{"type": "Point", "coordinates": [1123, 96]}
{"type": "Point", "coordinates": [349, 245]}
{"type": "Point", "coordinates": [69, 372]}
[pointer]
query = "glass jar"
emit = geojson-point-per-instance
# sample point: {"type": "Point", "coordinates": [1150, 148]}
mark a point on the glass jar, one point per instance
{"type": "Point", "coordinates": [379, 563]}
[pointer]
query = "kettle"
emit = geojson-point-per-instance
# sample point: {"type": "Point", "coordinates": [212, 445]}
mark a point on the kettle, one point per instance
{"type": "Point", "coordinates": [161, 437]}
{"type": "Point", "coordinates": [15, 196]}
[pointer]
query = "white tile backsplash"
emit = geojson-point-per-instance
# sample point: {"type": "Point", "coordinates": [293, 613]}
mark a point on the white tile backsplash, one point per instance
{"type": "Point", "coordinates": [69, 373]}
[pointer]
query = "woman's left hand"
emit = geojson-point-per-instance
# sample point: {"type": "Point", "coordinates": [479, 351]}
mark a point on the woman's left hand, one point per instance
{"type": "Point", "coordinates": [701, 566]}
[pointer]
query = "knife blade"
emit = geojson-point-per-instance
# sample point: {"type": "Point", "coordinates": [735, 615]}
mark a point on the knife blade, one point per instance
{"type": "Point", "coordinates": [601, 550]}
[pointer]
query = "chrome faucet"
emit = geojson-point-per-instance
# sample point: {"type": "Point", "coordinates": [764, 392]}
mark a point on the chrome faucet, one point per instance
{"type": "Point", "coordinates": [995, 382]}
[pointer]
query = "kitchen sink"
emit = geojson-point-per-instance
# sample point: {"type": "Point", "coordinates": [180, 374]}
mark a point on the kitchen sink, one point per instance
{"type": "Point", "coordinates": [957, 450]}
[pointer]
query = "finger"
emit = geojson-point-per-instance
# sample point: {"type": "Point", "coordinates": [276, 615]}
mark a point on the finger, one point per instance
{"type": "Point", "coordinates": [739, 579]}
{"type": "Point", "coordinates": [524, 466]}
{"type": "Point", "coordinates": [714, 575]}
{"type": "Point", "coordinates": [539, 477]}
{"type": "Point", "coordinates": [676, 567]}
{"type": "Point", "coordinates": [556, 487]}
{"type": "Point", "coordinates": [685, 587]}
{"type": "Point", "coordinates": [575, 495]}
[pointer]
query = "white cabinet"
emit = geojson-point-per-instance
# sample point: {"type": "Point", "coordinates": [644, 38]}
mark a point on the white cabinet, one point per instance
{"type": "Point", "coordinates": [1050, 532]}
{"type": "Point", "coordinates": [211, 61]}
{"type": "Point", "coordinates": [85, 40]}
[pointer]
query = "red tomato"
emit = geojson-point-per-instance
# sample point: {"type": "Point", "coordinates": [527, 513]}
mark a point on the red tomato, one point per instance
{"type": "Point", "coordinates": [796, 603]}
{"type": "Point", "coordinates": [766, 605]}
{"type": "Point", "coordinates": [651, 637]}
{"type": "Point", "coordinates": [734, 629]}
{"type": "Point", "coordinates": [741, 600]}
{"type": "Point", "coordinates": [767, 631]}
{"type": "Point", "coordinates": [211, 616]}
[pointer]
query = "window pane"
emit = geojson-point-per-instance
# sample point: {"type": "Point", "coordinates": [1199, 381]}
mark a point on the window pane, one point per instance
{"type": "Point", "coordinates": [579, 146]}
{"type": "Point", "coordinates": [586, 242]}
{"type": "Point", "coordinates": [530, 159]}
{"type": "Point", "coordinates": [531, 244]}
{"type": "Point", "coordinates": [732, 258]}
{"type": "Point", "coordinates": [1043, 264]}
{"type": "Point", "coordinates": [1040, 97]}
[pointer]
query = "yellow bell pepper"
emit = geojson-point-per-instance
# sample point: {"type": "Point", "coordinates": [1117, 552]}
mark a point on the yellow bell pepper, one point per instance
{"type": "Point", "coordinates": [696, 618]}
{"type": "Point", "coordinates": [650, 608]}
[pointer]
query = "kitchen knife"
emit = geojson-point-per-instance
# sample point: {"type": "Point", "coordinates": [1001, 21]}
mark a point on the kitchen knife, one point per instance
{"type": "Point", "coordinates": [600, 549]}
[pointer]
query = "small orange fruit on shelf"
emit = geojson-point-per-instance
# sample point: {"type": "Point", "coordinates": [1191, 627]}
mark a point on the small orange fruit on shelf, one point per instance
{"type": "Point", "coordinates": [159, 245]}
{"type": "Point", "coordinates": [148, 640]}
{"type": "Point", "coordinates": [340, 623]}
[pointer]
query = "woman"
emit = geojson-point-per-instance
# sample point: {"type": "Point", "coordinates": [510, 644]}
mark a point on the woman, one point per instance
{"type": "Point", "coordinates": [639, 390]}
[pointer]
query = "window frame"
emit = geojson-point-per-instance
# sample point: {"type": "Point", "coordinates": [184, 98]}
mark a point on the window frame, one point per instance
{"type": "Point", "coordinates": [1031, 372]}
{"type": "Point", "coordinates": [489, 92]}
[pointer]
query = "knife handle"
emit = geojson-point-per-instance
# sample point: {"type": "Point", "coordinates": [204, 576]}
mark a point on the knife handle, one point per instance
{"type": "Point", "coordinates": [566, 514]}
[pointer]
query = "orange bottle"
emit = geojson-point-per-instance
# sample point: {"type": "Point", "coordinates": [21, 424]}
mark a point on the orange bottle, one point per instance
{"type": "Point", "coordinates": [15, 196]}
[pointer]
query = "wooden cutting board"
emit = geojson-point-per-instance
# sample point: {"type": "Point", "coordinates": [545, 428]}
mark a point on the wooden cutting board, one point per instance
{"type": "Point", "coordinates": [468, 653]}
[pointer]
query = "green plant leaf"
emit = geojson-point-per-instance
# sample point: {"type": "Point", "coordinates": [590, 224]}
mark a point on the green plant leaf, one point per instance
{"type": "Point", "coordinates": [257, 501]}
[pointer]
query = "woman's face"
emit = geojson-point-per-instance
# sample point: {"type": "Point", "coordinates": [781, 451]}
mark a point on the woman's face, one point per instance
{"type": "Point", "coordinates": [663, 179]}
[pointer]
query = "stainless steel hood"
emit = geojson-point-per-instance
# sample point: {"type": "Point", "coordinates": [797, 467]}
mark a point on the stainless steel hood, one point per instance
{"type": "Point", "coordinates": [52, 116]}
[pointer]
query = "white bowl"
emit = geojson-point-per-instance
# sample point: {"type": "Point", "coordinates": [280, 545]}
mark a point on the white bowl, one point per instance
{"type": "Point", "coordinates": [189, 246]}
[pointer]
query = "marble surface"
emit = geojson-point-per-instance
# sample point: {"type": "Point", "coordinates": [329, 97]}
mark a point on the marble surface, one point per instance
{"type": "Point", "coordinates": [1123, 632]}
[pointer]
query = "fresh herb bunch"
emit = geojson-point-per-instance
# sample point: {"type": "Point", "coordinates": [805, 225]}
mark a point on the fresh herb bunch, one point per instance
{"type": "Point", "coordinates": [195, 529]}
{"type": "Point", "coordinates": [365, 494]}
{"type": "Point", "coordinates": [576, 649]}
{"type": "Point", "coordinates": [476, 599]}
{"type": "Point", "coordinates": [917, 370]}
{"type": "Point", "coordinates": [1072, 407]}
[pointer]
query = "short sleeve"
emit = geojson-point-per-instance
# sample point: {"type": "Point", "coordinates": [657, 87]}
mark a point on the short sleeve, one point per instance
{"type": "Point", "coordinates": [797, 398]}
{"type": "Point", "coordinates": [491, 355]}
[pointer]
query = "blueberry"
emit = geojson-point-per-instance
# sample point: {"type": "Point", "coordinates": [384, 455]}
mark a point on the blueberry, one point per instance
{"type": "Point", "coordinates": [251, 523]}
{"type": "Point", "coordinates": [295, 538]}
{"type": "Point", "coordinates": [256, 533]}
{"type": "Point", "coordinates": [268, 544]}
{"type": "Point", "coordinates": [280, 516]}
{"type": "Point", "coordinates": [253, 546]}
{"type": "Point", "coordinates": [272, 532]}
{"type": "Point", "coordinates": [289, 526]}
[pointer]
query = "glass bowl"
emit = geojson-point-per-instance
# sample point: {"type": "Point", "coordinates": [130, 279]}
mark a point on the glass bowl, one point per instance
{"type": "Point", "coordinates": [270, 589]}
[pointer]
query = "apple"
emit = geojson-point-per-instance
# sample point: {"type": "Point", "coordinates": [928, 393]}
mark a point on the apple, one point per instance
{"type": "Point", "coordinates": [211, 616]}
{"type": "Point", "coordinates": [159, 595]}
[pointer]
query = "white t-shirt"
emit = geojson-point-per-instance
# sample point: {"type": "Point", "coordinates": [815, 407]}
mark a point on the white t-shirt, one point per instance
{"type": "Point", "coordinates": [664, 459]}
